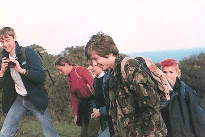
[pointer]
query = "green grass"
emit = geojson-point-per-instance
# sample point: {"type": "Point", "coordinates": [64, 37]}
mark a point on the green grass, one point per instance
{"type": "Point", "coordinates": [31, 128]}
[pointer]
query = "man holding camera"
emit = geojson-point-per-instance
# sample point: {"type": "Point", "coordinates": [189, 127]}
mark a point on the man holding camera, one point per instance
{"type": "Point", "coordinates": [23, 89]}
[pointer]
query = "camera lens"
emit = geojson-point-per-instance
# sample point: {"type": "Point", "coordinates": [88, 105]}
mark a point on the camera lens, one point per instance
{"type": "Point", "coordinates": [11, 64]}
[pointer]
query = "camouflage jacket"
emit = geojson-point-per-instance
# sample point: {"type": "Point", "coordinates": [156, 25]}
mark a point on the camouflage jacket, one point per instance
{"type": "Point", "coordinates": [134, 103]}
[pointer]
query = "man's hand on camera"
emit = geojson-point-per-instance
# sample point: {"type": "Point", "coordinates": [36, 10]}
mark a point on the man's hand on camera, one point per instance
{"type": "Point", "coordinates": [17, 66]}
{"type": "Point", "coordinates": [4, 65]}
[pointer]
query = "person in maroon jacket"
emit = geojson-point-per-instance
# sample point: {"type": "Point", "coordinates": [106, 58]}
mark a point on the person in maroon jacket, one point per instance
{"type": "Point", "coordinates": [80, 81]}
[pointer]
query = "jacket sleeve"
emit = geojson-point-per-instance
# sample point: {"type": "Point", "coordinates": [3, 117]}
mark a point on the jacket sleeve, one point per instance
{"type": "Point", "coordinates": [164, 103]}
{"type": "Point", "coordinates": [74, 103]}
{"type": "Point", "coordinates": [103, 111]}
{"type": "Point", "coordinates": [94, 86]}
{"type": "Point", "coordinates": [1, 78]}
{"type": "Point", "coordinates": [196, 111]}
{"type": "Point", "coordinates": [1, 82]}
{"type": "Point", "coordinates": [36, 71]}
{"type": "Point", "coordinates": [147, 99]}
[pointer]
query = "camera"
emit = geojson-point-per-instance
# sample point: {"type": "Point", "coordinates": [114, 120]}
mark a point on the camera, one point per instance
{"type": "Point", "coordinates": [10, 63]}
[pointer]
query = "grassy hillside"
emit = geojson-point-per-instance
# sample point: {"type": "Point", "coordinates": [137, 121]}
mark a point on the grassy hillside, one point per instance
{"type": "Point", "coordinates": [29, 127]}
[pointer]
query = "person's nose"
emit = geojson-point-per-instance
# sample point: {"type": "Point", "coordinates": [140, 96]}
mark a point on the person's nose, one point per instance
{"type": "Point", "coordinates": [94, 63]}
{"type": "Point", "coordinates": [168, 75]}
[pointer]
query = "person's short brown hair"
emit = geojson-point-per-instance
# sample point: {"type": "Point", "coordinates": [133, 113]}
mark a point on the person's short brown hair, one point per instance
{"type": "Point", "coordinates": [102, 44]}
{"type": "Point", "coordinates": [61, 61]}
{"type": "Point", "coordinates": [6, 31]}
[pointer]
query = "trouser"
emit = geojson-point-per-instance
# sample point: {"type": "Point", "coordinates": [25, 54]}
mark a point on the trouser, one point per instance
{"type": "Point", "coordinates": [103, 124]}
{"type": "Point", "coordinates": [19, 109]}
{"type": "Point", "coordinates": [91, 129]}
{"type": "Point", "coordinates": [105, 133]}
{"type": "Point", "coordinates": [105, 129]}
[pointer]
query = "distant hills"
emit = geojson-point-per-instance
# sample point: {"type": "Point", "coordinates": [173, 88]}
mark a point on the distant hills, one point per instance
{"type": "Point", "coordinates": [178, 54]}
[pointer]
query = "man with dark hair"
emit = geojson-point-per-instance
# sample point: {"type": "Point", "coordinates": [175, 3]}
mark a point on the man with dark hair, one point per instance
{"type": "Point", "coordinates": [133, 101]}
{"type": "Point", "coordinates": [22, 81]}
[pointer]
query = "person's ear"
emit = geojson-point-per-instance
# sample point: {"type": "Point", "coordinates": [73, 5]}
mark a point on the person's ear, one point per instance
{"type": "Point", "coordinates": [179, 73]}
{"type": "Point", "coordinates": [14, 37]}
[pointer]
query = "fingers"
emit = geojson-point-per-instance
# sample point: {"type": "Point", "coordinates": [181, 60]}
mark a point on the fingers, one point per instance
{"type": "Point", "coordinates": [95, 117]}
{"type": "Point", "coordinates": [14, 61]}
{"type": "Point", "coordinates": [75, 120]}
{"type": "Point", "coordinates": [4, 64]}
{"type": "Point", "coordinates": [92, 115]}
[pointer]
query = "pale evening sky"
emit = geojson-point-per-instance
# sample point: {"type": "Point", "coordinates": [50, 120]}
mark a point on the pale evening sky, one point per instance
{"type": "Point", "coordinates": [135, 25]}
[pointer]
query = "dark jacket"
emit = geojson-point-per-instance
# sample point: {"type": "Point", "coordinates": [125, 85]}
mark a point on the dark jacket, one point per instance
{"type": "Point", "coordinates": [100, 99]}
{"type": "Point", "coordinates": [183, 115]}
{"type": "Point", "coordinates": [33, 82]}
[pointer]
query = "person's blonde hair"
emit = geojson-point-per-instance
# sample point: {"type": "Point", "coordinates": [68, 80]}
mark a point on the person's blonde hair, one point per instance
{"type": "Point", "coordinates": [7, 31]}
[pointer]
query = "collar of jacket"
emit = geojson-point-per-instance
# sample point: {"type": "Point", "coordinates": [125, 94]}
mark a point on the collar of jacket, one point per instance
{"type": "Point", "coordinates": [115, 74]}
{"type": "Point", "coordinates": [117, 65]}
{"type": "Point", "coordinates": [177, 84]}
{"type": "Point", "coordinates": [18, 51]}
{"type": "Point", "coordinates": [70, 74]}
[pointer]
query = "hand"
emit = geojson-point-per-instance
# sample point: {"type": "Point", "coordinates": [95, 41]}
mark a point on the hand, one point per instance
{"type": "Point", "coordinates": [75, 119]}
{"type": "Point", "coordinates": [15, 62]}
{"type": "Point", "coordinates": [4, 65]}
{"type": "Point", "coordinates": [17, 66]}
{"type": "Point", "coordinates": [96, 114]}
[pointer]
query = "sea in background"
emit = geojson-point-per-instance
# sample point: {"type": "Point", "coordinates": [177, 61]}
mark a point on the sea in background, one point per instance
{"type": "Point", "coordinates": [158, 56]}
